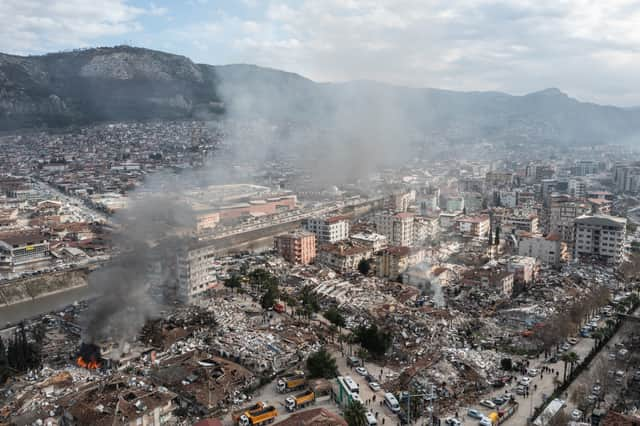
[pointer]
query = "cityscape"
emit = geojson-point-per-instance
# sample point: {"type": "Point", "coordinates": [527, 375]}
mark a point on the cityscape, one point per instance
{"type": "Point", "coordinates": [187, 244]}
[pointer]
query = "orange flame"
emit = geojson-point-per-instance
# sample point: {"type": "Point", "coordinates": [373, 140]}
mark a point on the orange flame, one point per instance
{"type": "Point", "coordinates": [91, 365]}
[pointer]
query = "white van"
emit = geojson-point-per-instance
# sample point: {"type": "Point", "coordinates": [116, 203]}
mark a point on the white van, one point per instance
{"type": "Point", "coordinates": [391, 402]}
{"type": "Point", "coordinates": [371, 419]}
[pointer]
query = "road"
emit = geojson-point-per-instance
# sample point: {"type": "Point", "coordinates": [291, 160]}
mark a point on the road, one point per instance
{"type": "Point", "coordinates": [77, 202]}
{"type": "Point", "coordinates": [540, 388]}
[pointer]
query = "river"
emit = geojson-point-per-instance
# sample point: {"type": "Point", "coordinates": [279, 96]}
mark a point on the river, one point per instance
{"type": "Point", "coordinates": [32, 308]}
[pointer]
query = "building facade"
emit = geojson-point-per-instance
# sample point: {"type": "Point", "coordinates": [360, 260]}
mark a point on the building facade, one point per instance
{"type": "Point", "coordinates": [20, 250]}
{"type": "Point", "coordinates": [297, 247]}
{"type": "Point", "coordinates": [397, 227]}
{"type": "Point", "coordinates": [600, 237]}
{"type": "Point", "coordinates": [328, 229]}
{"type": "Point", "coordinates": [550, 249]}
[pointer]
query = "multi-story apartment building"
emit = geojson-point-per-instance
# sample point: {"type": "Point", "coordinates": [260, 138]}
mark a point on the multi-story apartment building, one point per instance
{"type": "Point", "coordinates": [375, 242]}
{"type": "Point", "coordinates": [600, 237]}
{"type": "Point", "coordinates": [328, 229]}
{"type": "Point", "coordinates": [550, 249]}
{"type": "Point", "coordinates": [343, 256]}
{"type": "Point", "coordinates": [577, 188]}
{"type": "Point", "coordinates": [426, 228]}
{"type": "Point", "coordinates": [196, 271]}
{"type": "Point", "coordinates": [473, 226]}
{"type": "Point", "coordinates": [562, 214]}
{"type": "Point", "coordinates": [297, 247]}
{"type": "Point", "coordinates": [520, 222]}
{"type": "Point", "coordinates": [395, 260]}
{"type": "Point", "coordinates": [397, 227]}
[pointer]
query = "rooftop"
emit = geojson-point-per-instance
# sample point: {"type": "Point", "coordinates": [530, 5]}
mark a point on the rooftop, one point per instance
{"type": "Point", "coordinates": [602, 220]}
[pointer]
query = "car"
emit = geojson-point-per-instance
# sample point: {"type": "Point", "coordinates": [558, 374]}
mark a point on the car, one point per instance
{"type": "Point", "coordinates": [576, 415]}
{"type": "Point", "coordinates": [507, 396]}
{"type": "Point", "coordinates": [524, 381]}
{"type": "Point", "coordinates": [596, 389]}
{"type": "Point", "coordinates": [592, 398]}
{"type": "Point", "coordinates": [572, 340]}
{"type": "Point", "coordinates": [487, 403]}
{"type": "Point", "coordinates": [520, 390]}
{"type": "Point", "coordinates": [612, 356]}
{"type": "Point", "coordinates": [566, 347]}
{"type": "Point", "coordinates": [362, 371]}
{"type": "Point", "coordinates": [375, 386]}
{"type": "Point", "coordinates": [451, 421]}
{"type": "Point", "coordinates": [499, 400]}
{"type": "Point", "coordinates": [485, 421]}
{"type": "Point", "coordinates": [371, 419]}
{"type": "Point", "coordinates": [474, 414]}
{"type": "Point", "coordinates": [369, 378]}
{"type": "Point", "coordinates": [533, 372]}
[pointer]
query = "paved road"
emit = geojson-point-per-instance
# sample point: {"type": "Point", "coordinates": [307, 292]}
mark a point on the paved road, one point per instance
{"type": "Point", "coordinates": [539, 388]}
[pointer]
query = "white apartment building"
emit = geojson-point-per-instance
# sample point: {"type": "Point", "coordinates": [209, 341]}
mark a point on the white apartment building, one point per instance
{"type": "Point", "coordinates": [601, 237]}
{"type": "Point", "coordinates": [516, 222]}
{"type": "Point", "coordinates": [577, 188]}
{"type": "Point", "coordinates": [397, 227]}
{"type": "Point", "coordinates": [328, 229]}
{"type": "Point", "coordinates": [375, 242]}
{"type": "Point", "coordinates": [197, 272]}
{"type": "Point", "coordinates": [550, 249]}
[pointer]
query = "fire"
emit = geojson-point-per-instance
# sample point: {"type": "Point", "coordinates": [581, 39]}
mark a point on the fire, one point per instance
{"type": "Point", "coordinates": [91, 365]}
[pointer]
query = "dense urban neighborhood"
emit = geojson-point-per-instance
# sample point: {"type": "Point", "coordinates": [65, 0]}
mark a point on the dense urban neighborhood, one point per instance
{"type": "Point", "coordinates": [152, 275]}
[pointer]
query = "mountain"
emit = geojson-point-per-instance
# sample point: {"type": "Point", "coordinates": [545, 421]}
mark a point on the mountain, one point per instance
{"type": "Point", "coordinates": [127, 83]}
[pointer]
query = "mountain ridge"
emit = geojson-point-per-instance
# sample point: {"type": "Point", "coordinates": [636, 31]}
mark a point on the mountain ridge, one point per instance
{"type": "Point", "coordinates": [130, 83]}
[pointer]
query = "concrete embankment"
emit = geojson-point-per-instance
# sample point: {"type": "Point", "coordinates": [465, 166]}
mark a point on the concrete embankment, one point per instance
{"type": "Point", "coordinates": [26, 289]}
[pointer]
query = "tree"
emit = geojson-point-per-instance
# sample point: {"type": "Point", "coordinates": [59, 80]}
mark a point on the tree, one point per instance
{"type": "Point", "coordinates": [233, 282]}
{"type": "Point", "coordinates": [322, 364]}
{"type": "Point", "coordinates": [568, 358]}
{"type": "Point", "coordinates": [372, 339]}
{"type": "Point", "coordinates": [309, 301]}
{"type": "Point", "coordinates": [364, 266]}
{"type": "Point", "coordinates": [355, 414]}
{"type": "Point", "coordinates": [269, 297]}
{"type": "Point", "coordinates": [334, 316]}
{"type": "Point", "coordinates": [497, 242]}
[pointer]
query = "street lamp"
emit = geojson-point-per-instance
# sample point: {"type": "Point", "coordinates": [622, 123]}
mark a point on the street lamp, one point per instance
{"type": "Point", "coordinates": [422, 395]}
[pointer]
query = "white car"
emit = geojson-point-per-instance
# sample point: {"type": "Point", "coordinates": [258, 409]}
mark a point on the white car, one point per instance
{"type": "Point", "coordinates": [362, 371]}
{"type": "Point", "coordinates": [485, 421]}
{"type": "Point", "coordinates": [375, 386]}
{"type": "Point", "coordinates": [487, 403]}
{"type": "Point", "coordinates": [533, 372]}
{"type": "Point", "coordinates": [524, 381]}
{"type": "Point", "coordinates": [452, 422]}
{"type": "Point", "coordinates": [576, 415]}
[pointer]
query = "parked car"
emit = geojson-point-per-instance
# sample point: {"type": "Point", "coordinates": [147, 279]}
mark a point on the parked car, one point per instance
{"type": "Point", "coordinates": [474, 414]}
{"type": "Point", "coordinates": [487, 403]}
{"type": "Point", "coordinates": [596, 389]}
{"type": "Point", "coordinates": [572, 340]}
{"type": "Point", "coordinates": [566, 347]}
{"type": "Point", "coordinates": [452, 422]}
{"type": "Point", "coordinates": [524, 381]}
{"type": "Point", "coordinates": [375, 386]}
{"type": "Point", "coordinates": [499, 400]}
{"type": "Point", "coordinates": [362, 371]}
{"type": "Point", "coordinates": [533, 372]}
{"type": "Point", "coordinates": [485, 421]}
{"type": "Point", "coordinates": [576, 415]}
{"type": "Point", "coordinates": [520, 390]}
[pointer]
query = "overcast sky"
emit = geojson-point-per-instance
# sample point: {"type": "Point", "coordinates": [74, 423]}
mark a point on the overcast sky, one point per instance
{"type": "Point", "coordinates": [588, 49]}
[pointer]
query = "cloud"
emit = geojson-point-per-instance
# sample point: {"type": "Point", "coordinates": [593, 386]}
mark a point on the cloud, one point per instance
{"type": "Point", "coordinates": [515, 46]}
{"type": "Point", "coordinates": [32, 26]}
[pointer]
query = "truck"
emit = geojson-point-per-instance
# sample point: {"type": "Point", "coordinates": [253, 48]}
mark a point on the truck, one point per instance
{"type": "Point", "coordinates": [291, 382]}
{"type": "Point", "coordinates": [235, 415]}
{"type": "Point", "coordinates": [260, 416]}
{"type": "Point", "coordinates": [300, 400]}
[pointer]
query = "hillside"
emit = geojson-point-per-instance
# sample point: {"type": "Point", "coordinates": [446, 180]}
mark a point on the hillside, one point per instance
{"type": "Point", "coordinates": [125, 83]}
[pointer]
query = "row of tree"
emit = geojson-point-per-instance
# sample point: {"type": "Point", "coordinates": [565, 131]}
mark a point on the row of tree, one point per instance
{"type": "Point", "coordinates": [20, 353]}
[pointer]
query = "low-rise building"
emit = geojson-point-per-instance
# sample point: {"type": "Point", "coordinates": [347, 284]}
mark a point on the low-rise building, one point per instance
{"type": "Point", "coordinates": [375, 242]}
{"type": "Point", "coordinates": [524, 268]}
{"type": "Point", "coordinates": [21, 250]}
{"type": "Point", "coordinates": [548, 249]}
{"type": "Point", "coordinates": [343, 256]}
